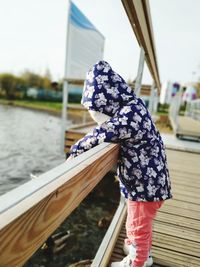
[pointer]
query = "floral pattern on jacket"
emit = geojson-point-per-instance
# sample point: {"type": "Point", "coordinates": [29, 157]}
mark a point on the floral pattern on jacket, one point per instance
{"type": "Point", "coordinates": [142, 166]}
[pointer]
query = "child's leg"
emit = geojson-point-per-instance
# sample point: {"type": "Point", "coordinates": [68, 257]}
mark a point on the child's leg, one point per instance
{"type": "Point", "coordinates": [139, 228]}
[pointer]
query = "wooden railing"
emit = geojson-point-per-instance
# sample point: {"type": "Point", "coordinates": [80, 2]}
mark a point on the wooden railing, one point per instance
{"type": "Point", "coordinates": [138, 12]}
{"type": "Point", "coordinates": [31, 212]}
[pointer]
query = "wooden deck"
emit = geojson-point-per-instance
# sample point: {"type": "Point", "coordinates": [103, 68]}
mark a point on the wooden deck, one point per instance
{"type": "Point", "coordinates": [176, 241]}
{"type": "Point", "coordinates": [177, 226]}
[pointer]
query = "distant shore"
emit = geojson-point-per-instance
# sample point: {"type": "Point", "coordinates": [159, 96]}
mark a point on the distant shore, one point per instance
{"type": "Point", "coordinates": [53, 108]}
{"type": "Point", "coordinates": [75, 111]}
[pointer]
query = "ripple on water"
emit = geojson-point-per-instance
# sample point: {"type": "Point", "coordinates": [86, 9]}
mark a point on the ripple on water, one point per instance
{"type": "Point", "coordinates": [29, 141]}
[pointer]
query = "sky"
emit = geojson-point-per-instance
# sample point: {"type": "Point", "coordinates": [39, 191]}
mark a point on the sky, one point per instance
{"type": "Point", "coordinates": [33, 36]}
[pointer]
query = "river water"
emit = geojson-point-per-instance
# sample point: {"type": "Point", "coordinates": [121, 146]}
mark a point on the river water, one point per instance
{"type": "Point", "coordinates": [30, 143]}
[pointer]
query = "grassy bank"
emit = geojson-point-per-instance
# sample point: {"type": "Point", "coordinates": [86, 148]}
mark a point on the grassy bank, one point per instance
{"type": "Point", "coordinates": [35, 105]}
{"type": "Point", "coordinates": [51, 107]}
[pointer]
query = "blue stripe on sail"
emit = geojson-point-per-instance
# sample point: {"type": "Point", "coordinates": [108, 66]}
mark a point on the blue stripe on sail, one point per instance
{"type": "Point", "coordinates": [78, 19]}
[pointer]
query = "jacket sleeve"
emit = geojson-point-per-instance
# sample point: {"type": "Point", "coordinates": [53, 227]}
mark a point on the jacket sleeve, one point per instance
{"type": "Point", "coordinates": [113, 130]}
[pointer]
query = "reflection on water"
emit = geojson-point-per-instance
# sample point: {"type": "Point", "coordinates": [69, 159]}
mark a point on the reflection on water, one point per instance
{"type": "Point", "coordinates": [29, 143]}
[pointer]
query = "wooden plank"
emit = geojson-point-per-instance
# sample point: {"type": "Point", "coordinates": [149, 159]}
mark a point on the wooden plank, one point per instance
{"type": "Point", "coordinates": [30, 213]}
{"type": "Point", "coordinates": [182, 174]}
{"type": "Point", "coordinates": [181, 155]}
{"type": "Point", "coordinates": [182, 205]}
{"type": "Point", "coordinates": [182, 197]}
{"type": "Point", "coordinates": [171, 258]}
{"type": "Point", "coordinates": [187, 178]}
{"type": "Point", "coordinates": [69, 143]}
{"type": "Point", "coordinates": [182, 184]}
{"type": "Point", "coordinates": [187, 162]}
{"type": "Point", "coordinates": [190, 171]}
{"type": "Point", "coordinates": [191, 182]}
{"type": "Point", "coordinates": [186, 183]}
{"type": "Point", "coordinates": [73, 135]}
{"type": "Point", "coordinates": [165, 242]}
{"type": "Point", "coordinates": [192, 196]}
{"type": "Point", "coordinates": [186, 168]}
{"type": "Point", "coordinates": [183, 213]}
{"type": "Point", "coordinates": [177, 231]}
{"type": "Point", "coordinates": [183, 158]}
{"type": "Point", "coordinates": [176, 219]}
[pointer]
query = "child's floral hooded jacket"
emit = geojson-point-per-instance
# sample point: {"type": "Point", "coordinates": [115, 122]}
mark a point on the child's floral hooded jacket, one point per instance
{"type": "Point", "coordinates": [142, 165]}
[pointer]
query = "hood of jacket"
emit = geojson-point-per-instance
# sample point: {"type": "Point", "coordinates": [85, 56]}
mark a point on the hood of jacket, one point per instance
{"type": "Point", "coordinates": [105, 90]}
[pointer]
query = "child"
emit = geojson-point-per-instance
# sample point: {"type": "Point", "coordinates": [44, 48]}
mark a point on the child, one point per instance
{"type": "Point", "coordinates": [142, 166]}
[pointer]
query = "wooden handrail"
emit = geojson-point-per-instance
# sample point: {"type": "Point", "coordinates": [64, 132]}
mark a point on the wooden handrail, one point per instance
{"type": "Point", "coordinates": [31, 212]}
{"type": "Point", "coordinates": [107, 245]}
{"type": "Point", "coordinates": [138, 12]}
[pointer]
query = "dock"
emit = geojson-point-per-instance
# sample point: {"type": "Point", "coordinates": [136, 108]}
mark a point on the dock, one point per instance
{"type": "Point", "coordinates": [176, 230]}
{"type": "Point", "coordinates": [42, 204]}
{"type": "Point", "coordinates": [176, 241]}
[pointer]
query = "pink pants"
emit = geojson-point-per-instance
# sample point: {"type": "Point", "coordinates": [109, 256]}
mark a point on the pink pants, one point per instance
{"type": "Point", "coordinates": [139, 228]}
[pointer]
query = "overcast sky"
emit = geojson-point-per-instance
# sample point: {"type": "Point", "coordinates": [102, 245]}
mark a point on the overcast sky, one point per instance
{"type": "Point", "coordinates": [32, 36]}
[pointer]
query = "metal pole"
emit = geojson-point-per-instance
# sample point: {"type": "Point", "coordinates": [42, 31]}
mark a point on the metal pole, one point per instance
{"type": "Point", "coordinates": [65, 83]}
{"type": "Point", "coordinates": [151, 100]}
{"type": "Point", "coordinates": [155, 102]}
{"type": "Point", "coordinates": [138, 81]}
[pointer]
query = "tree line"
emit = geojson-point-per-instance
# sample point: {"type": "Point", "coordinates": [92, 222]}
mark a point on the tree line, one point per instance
{"type": "Point", "coordinates": [12, 86]}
